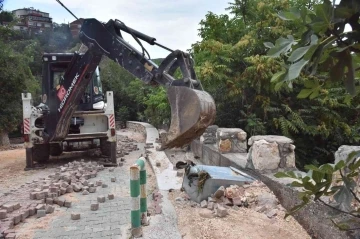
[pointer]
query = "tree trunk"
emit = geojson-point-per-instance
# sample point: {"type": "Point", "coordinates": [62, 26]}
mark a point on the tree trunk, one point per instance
{"type": "Point", "coordinates": [4, 138]}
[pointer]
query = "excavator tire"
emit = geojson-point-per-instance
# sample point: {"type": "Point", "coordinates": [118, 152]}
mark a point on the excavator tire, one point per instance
{"type": "Point", "coordinates": [192, 111]}
{"type": "Point", "coordinates": [105, 147]}
{"type": "Point", "coordinates": [56, 149]}
{"type": "Point", "coordinates": [41, 153]}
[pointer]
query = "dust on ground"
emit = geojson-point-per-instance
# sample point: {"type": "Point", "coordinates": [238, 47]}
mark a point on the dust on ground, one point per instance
{"type": "Point", "coordinates": [195, 222]}
{"type": "Point", "coordinates": [27, 229]}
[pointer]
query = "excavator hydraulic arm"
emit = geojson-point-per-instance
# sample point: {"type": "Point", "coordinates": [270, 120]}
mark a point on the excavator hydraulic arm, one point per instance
{"type": "Point", "coordinates": [192, 109]}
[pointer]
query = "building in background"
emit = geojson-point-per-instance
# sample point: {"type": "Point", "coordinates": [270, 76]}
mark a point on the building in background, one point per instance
{"type": "Point", "coordinates": [75, 27]}
{"type": "Point", "coordinates": [32, 20]}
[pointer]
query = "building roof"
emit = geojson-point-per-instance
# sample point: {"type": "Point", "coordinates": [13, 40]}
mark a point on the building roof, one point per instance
{"type": "Point", "coordinates": [29, 8]}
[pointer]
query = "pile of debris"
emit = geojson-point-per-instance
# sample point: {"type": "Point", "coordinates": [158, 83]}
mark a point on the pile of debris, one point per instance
{"type": "Point", "coordinates": [255, 196]}
{"type": "Point", "coordinates": [125, 145]}
{"type": "Point", "coordinates": [44, 193]}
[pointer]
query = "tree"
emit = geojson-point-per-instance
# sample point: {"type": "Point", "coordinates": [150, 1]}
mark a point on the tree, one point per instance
{"type": "Point", "coordinates": [15, 78]}
{"type": "Point", "coordinates": [323, 48]}
{"type": "Point", "coordinates": [240, 76]}
{"type": "Point", "coordinates": [6, 16]}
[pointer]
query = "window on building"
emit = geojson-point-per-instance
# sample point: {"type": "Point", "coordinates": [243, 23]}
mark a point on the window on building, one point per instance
{"type": "Point", "coordinates": [39, 24]}
{"type": "Point", "coordinates": [47, 25]}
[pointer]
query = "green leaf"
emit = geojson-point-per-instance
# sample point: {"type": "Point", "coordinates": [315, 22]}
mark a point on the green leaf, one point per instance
{"type": "Point", "coordinates": [310, 84]}
{"type": "Point", "coordinates": [311, 167]}
{"type": "Point", "coordinates": [278, 86]}
{"type": "Point", "coordinates": [293, 14]}
{"type": "Point", "coordinates": [318, 176]}
{"type": "Point", "coordinates": [277, 75]}
{"type": "Point", "coordinates": [282, 45]}
{"type": "Point", "coordinates": [341, 164]}
{"type": "Point", "coordinates": [295, 69]}
{"type": "Point", "coordinates": [326, 168]}
{"type": "Point", "coordinates": [315, 93]}
{"type": "Point", "coordinates": [298, 53]}
{"type": "Point", "coordinates": [269, 44]}
{"type": "Point", "coordinates": [343, 196]}
{"type": "Point", "coordinates": [352, 156]}
{"type": "Point", "coordinates": [304, 93]}
{"type": "Point", "coordinates": [296, 184]}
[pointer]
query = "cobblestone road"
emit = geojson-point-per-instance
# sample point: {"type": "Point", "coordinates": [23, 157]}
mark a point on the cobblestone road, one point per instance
{"type": "Point", "coordinates": [112, 220]}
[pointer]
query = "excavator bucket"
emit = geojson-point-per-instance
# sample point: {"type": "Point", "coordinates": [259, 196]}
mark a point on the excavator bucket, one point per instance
{"type": "Point", "coordinates": [192, 111]}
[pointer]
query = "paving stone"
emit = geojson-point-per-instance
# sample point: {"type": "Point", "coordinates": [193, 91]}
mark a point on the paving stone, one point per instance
{"type": "Point", "coordinates": [17, 218]}
{"type": "Point", "coordinates": [203, 204]}
{"type": "Point", "coordinates": [70, 189]}
{"type": "Point", "coordinates": [99, 183]}
{"type": "Point", "coordinates": [41, 213]}
{"type": "Point", "coordinates": [67, 204]}
{"type": "Point", "coordinates": [40, 206]}
{"type": "Point", "coordinates": [221, 211]}
{"type": "Point", "coordinates": [49, 201]}
{"type": "Point", "coordinates": [3, 214]}
{"type": "Point", "coordinates": [33, 195]}
{"type": "Point", "coordinates": [94, 206]}
{"type": "Point", "coordinates": [49, 209]}
{"type": "Point", "coordinates": [25, 214]}
{"type": "Point", "coordinates": [60, 202]}
{"type": "Point", "coordinates": [75, 216]}
{"type": "Point", "coordinates": [62, 191]}
{"type": "Point", "coordinates": [113, 179]}
{"type": "Point", "coordinates": [111, 196]}
{"type": "Point", "coordinates": [10, 236]}
{"type": "Point", "coordinates": [85, 192]}
{"type": "Point", "coordinates": [101, 199]}
{"type": "Point", "coordinates": [92, 190]}
{"type": "Point", "coordinates": [8, 207]}
{"type": "Point", "coordinates": [104, 185]}
{"type": "Point", "coordinates": [32, 211]}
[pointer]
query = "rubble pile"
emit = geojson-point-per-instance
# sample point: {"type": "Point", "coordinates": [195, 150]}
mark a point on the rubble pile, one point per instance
{"type": "Point", "coordinates": [255, 196]}
{"type": "Point", "coordinates": [125, 145]}
{"type": "Point", "coordinates": [44, 194]}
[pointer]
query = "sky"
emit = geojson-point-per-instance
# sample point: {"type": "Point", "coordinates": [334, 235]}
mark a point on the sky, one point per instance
{"type": "Point", "coordinates": [174, 23]}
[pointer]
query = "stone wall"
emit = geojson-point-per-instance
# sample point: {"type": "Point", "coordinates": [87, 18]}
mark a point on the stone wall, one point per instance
{"type": "Point", "coordinates": [267, 153]}
{"type": "Point", "coordinates": [135, 126]}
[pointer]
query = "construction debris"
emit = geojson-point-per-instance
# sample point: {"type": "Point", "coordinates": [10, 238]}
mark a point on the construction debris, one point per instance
{"type": "Point", "coordinates": [235, 196]}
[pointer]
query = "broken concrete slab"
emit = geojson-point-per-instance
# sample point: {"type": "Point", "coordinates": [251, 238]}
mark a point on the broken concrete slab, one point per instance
{"type": "Point", "coordinates": [218, 176]}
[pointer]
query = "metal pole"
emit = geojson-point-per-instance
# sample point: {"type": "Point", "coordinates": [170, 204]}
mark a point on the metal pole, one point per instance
{"type": "Point", "coordinates": [137, 192]}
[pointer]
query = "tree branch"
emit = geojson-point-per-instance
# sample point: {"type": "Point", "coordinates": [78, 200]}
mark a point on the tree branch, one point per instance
{"type": "Point", "coordinates": [339, 210]}
{"type": "Point", "coordinates": [352, 192]}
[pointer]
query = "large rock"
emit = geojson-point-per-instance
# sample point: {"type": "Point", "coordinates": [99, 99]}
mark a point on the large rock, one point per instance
{"type": "Point", "coordinates": [231, 140]}
{"type": "Point", "coordinates": [265, 155]}
{"type": "Point", "coordinates": [270, 138]}
{"type": "Point", "coordinates": [209, 136]}
{"type": "Point", "coordinates": [286, 150]}
{"type": "Point", "coordinates": [343, 152]}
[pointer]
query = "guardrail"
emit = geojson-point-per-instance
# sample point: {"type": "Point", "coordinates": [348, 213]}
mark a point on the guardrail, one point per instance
{"type": "Point", "coordinates": [138, 196]}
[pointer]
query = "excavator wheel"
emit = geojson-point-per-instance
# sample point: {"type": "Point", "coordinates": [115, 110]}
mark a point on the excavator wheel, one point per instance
{"type": "Point", "coordinates": [105, 147]}
{"type": "Point", "coordinates": [192, 111]}
{"type": "Point", "coordinates": [56, 149]}
{"type": "Point", "coordinates": [41, 153]}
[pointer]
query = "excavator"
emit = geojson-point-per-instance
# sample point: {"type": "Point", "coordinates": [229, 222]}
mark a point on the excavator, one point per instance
{"type": "Point", "coordinates": [192, 108]}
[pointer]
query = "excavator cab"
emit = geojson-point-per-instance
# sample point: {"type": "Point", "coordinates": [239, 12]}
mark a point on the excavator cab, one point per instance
{"type": "Point", "coordinates": [54, 68]}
